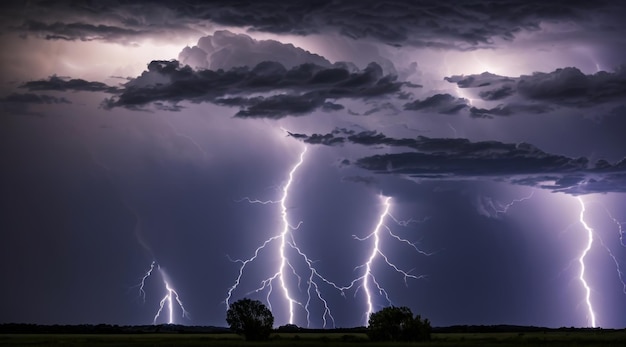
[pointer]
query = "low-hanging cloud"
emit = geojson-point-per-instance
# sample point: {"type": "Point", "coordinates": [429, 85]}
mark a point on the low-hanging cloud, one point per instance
{"type": "Point", "coordinates": [441, 103]}
{"type": "Point", "coordinates": [462, 159]}
{"type": "Point", "coordinates": [55, 83]}
{"type": "Point", "coordinates": [31, 98]}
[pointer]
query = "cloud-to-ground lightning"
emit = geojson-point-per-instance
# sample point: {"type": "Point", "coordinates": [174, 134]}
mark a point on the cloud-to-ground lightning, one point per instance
{"type": "Point", "coordinates": [286, 241]}
{"type": "Point", "coordinates": [581, 260]}
{"type": "Point", "coordinates": [171, 294]}
{"type": "Point", "coordinates": [169, 298]}
{"type": "Point", "coordinates": [592, 236]}
{"type": "Point", "coordinates": [368, 275]}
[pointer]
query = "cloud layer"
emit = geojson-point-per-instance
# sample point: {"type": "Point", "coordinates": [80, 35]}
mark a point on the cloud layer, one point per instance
{"type": "Point", "coordinates": [541, 92]}
{"type": "Point", "coordinates": [461, 159]}
{"type": "Point", "coordinates": [425, 23]}
{"type": "Point", "coordinates": [299, 90]}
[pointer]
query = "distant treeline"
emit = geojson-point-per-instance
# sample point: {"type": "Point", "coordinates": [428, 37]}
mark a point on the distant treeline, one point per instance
{"type": "Point", "coordinates": [13, 328]}
{"type": "Point", "coordinates": [17, 328]}
{"type": "Point", "coordinates": [504, 328]}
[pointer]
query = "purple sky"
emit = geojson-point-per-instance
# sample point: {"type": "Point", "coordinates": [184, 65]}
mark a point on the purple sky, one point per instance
{"type": "Point", "coordinates": [136, 132]}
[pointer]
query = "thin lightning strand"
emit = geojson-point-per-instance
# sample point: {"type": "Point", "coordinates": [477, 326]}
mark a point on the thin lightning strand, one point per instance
{"type": "Point", "coordinates": [581, 260]}
{"type": "Point", "coordinates": [186, 137]}
{"type": "Point", "coordinates": [620, 233]}
{"type": "Point", "coordinates": [618, 268]}
{"type": "Point", "coordinates": [620, 229]}
{"type": "Point", "coordinates": [142, 292]}
{"type": "Point", "coordinates": [504, 208]}
{"type": "Point", "coordinates": [286, 241]}
{"type": "Point", "coordinates": [169, 298]}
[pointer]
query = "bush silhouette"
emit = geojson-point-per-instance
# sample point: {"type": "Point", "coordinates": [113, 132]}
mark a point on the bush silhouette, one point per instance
{"type": "Point", "coordinates": [251, 319]}
{"type": "Point", "coordinates": [397, 324]}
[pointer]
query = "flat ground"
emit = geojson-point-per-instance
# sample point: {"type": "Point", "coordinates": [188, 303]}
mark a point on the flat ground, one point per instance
{"type": "Point", "coordinates": [550, 338]}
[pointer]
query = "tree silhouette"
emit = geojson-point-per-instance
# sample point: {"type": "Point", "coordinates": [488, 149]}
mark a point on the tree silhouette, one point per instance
{"type": "Point", "coordinates": [251, 319]}
{"type": "Point", "coordinates": [397, 324]}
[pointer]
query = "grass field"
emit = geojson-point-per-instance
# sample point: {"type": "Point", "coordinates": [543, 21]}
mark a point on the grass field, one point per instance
{"type": "Point", "coordinates": [552, 338]}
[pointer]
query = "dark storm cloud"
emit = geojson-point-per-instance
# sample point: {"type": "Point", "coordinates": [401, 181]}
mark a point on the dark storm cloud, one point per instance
{"type": "Point", "coordinates": [279, 106]}
{"type": "Point", "coordinates": [449, 24]}
{"type": "Point", "coordinates": [299, 90]}
{"type": "Point", "coordinates": [441, 103]}
{"type": "Point", "coordinates": [473, 81]}
{"type": "Point", "coordinates": [30, 98]}
{"type": "Point", "coordinates": [20, 103]}
{"type": "Point", "coordinates": [496, 94]}
{"type": "Point", "coordinates": [535, 93]}
{"type": "Point", "coordinates": [55, 83]}
{"type": "Point", "coordinates": [80, 31]}
{"type": "Point", "coordinates": [570, 86]}
{"type": "Point", "coordinates": [489, 113]}
{"type": "Point", "coordinates": [461, 159]}
{"type": "Point", "coordinates": [426, 23]}
{"type": "Point", "coordinates": [123, 22]}
{"type": "Point", "coordinates": [393, 110]}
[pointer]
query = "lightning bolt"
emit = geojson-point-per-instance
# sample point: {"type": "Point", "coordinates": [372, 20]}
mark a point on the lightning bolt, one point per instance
{"type": "Point", "coordinates": [620, 229]}
{"type": "Point", "coordinates": [581, 261]}
{"type": "Point", "coordinates": [620, 233]}
{"type": "Point", "coordinates": [169, 297]}
{"type": "Point", "coordinates": [171, 293]}
{"type": "Point", "coordinates": [505, 208]}
{"type": "Point", "coordinates": [142, 284]}
{"type": "Point", "coordinates": [500, 208]}
{"type": "Point", "coordinates": [286, 242]}
{"type": "Point", "coordinates": [367, 281]}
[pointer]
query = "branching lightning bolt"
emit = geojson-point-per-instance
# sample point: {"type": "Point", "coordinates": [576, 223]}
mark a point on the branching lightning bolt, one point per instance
{"type": "Point", "coordinates": [169, 297]}
{"type": "Point", "coordinates": [581, 260]}
{"type": "Point", "coordinates": [368, 276]}
{"type": "Point", "coordinates": [142, 292]}
{"type": "Point", "coordinates": [504, 208]}
{"type": "Point", "coordinates": [286, 240]}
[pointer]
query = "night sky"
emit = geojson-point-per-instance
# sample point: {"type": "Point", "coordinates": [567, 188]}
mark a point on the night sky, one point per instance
{"type": "Point", "coordinates": [172, 139]}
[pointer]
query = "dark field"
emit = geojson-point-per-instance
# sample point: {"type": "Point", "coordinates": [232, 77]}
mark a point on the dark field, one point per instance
{"type": "Point", "coordinates": [549, 338]}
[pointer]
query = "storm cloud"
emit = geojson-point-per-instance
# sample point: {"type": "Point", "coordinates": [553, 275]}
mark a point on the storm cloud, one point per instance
{"type": "Point", "coordinates": [567, 87]}
{"type": "Point", "coordinates": [299, 90]}
{"type": "Point", "coordinates": [30, 98]}
{"type": "Point", "coordinates": [426, 23]}
{"type": "Point", "coordinates": [461, 159]}
{"type": "Point", "coordinates": [55, 83]}
{"type": "Point", "coordinates": [226, 50]}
